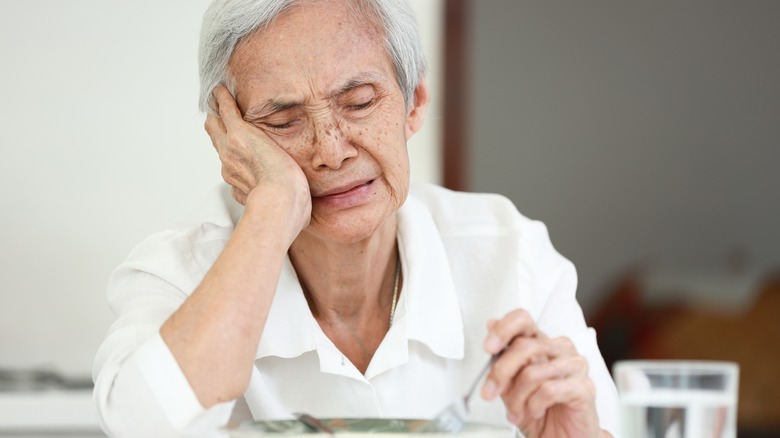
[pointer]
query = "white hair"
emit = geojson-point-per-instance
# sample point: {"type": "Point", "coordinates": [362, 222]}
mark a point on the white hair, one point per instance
{"type": "Point", "coordinates": [227, 22]}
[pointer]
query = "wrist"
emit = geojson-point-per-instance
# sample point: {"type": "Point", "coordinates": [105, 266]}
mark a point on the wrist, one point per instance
{"type": "Point", "coordinates": [283, 213]}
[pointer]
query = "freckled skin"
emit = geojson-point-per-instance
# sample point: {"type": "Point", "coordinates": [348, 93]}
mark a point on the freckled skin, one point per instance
{"type": "Point", "coordinates": [288, 61]}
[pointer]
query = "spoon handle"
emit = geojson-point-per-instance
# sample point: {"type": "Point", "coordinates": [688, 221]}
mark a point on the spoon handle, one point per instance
{"type": "Point", "coordinates": [313, 423]}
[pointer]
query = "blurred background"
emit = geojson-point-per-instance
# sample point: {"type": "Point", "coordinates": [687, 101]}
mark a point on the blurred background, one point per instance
{"type": "Point", "coordinates": [645, 135]}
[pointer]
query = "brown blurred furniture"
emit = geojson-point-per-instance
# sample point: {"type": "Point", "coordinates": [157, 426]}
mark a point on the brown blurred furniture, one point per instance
{"type": "Point", "coordinates": [629, 329]}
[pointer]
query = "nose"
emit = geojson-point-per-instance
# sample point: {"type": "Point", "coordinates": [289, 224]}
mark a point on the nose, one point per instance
{"type": "Point", "coordinates": [331, 147]}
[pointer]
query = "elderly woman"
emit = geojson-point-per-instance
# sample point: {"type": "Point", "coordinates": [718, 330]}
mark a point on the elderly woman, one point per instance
{"type": "Point", "coordinates": [326, 284]}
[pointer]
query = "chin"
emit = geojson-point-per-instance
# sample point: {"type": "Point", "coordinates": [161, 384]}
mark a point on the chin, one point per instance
{"type": "Point", "coordinates": [351, 226]}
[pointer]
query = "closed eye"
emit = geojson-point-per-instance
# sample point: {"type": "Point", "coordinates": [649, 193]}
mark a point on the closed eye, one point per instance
{"type": "Point", "coordinates": [279, 126]}
{"type": "Point", "coordinates": [282, 128]}
{"type": "Point", "coordinates": [357, 97]}
{"type": "Point", "coordinates": [282, 121]}
{"type": "Point", "coordinates": [360, 106]}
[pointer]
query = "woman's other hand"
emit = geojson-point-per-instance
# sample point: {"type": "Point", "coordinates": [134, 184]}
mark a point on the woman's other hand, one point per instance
{"type": "Point", "coordinates": [543, 382]}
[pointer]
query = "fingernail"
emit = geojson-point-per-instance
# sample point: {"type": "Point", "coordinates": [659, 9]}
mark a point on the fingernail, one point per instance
{"type": "Point", "coordinates": [493, 344]}
{"type": "Point", "coordinates": [489, 390]}
{"type": "Point", "coordinates": [514, 419]}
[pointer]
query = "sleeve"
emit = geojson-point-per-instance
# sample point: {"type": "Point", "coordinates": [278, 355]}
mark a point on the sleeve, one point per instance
{"type": "Point", "coordinates": [140, 390]}
{"type": "Point", "coordinates": [559, 314]}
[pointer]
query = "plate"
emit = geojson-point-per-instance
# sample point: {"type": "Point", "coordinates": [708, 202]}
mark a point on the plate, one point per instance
{"type": "Point", "coordinates": [357, 427]}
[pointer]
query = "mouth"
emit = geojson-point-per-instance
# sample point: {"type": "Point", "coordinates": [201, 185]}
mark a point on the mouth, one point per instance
{"type": "Point", "coordinates": [345, 189]}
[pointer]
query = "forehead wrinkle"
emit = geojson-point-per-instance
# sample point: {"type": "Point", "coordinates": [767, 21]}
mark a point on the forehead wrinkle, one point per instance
{"type": "Point", "coordinates": [275, 105]}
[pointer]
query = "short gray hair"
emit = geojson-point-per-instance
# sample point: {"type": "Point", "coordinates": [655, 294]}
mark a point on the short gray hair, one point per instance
{"type": "Point", "coordinates": [227, 22]}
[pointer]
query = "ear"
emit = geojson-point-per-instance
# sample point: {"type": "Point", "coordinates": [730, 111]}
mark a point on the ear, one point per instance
{"type": "Point", "coordinates": [416, 115]}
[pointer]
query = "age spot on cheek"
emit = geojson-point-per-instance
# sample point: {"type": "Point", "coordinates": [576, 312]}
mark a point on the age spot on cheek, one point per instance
{"type": "Point", "coordinates": [308, 139]}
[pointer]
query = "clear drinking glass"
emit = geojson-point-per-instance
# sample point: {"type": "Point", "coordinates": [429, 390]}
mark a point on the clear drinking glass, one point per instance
{"type": "Point", "coordinates": [677, 399]}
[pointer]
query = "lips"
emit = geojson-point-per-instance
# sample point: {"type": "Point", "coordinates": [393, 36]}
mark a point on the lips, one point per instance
{"type": "Point", "coordinates": [344, 189]}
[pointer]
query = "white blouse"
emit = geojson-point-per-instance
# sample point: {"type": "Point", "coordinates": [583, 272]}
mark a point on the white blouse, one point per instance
{"type": "Point", "coordinates": [466, 258]}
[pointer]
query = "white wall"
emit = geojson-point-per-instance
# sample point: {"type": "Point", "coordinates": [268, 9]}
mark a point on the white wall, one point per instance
{"type": "Point", "coordinates": [425, 148]}
{"type": "Point", "coordinates": [102, 145]}
{"type": "Point", "coordinates": [636, 130]}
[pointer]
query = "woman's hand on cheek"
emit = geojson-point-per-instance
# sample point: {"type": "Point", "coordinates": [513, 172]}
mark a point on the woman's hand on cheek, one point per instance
{"type": "Point", "coordinates": [543, 382]}
{"type": "Point", "coordinates": [251, 159]}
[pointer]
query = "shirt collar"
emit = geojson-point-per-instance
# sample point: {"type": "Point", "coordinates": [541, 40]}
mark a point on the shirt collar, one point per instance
{"type": "Point", "coordinates": [431, 313]}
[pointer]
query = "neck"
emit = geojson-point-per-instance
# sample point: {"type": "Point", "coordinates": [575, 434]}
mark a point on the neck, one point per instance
{"type": "Point", "coordinates": [349, 289]}
{"type": "Point", "coordinates": [347, 282]}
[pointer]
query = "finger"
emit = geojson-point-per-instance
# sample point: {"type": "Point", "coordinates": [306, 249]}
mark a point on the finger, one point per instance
{"type": "Point", "coordinates": [215, 128]}
{"type": "Point", "coordinates": [515, 323]}
{"type": "Point", "coordinates": [521, 353]}
{"type": "Point", "coordinates": [576, 392]}
{"type": "Point", "coordinates": [239, 195]}
{"type": "Point", "coordinates": [534, 376]}
{"type": "Point", "coordinates": [235, 178]}
{"type": "Point", "coordinates": [228, 109]}
{"type": "Point", "coordinates": [563, 347]}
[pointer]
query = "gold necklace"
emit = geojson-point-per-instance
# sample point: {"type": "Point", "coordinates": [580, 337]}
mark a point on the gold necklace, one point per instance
{"type": "Point", "coordinates": [395, 288]}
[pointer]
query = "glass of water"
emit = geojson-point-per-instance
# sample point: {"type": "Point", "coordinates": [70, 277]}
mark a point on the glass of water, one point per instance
{"type": "Point", "coordinates": [677, 399]}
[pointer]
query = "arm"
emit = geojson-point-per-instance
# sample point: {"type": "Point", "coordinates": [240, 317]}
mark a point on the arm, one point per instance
{"type": "Point", "coordinates": [172, 354]}
{"type": "Point", "coordinates": [215, 333]}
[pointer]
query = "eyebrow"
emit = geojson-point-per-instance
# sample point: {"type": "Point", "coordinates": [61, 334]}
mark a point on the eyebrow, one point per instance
{"type": "Point", "coordinates": [273, 105]}
{"type": "Point", "coordinates": [355, 82]}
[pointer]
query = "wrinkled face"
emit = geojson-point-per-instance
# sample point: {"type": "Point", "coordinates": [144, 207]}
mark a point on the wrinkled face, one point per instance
{"type": "Point", "coordinates": [322, 86]}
